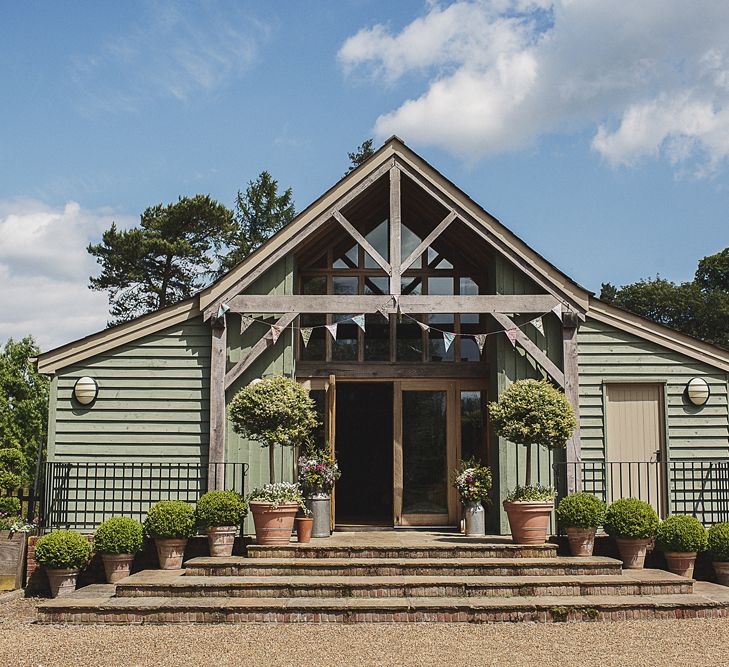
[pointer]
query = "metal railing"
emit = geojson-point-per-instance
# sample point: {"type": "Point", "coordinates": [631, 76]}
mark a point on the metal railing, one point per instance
{"type": "Point", "coordinates": [696, 487]}
{"type": "Point", "coordinates": [80, 495]}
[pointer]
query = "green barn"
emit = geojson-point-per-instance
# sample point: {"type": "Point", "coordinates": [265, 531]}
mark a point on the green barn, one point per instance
{"type": "Point", "coordinates": [405, 307]}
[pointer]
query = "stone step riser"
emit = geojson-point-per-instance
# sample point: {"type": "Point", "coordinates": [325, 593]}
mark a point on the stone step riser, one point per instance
{"type": "Point", "coordinates": [400, 591]}
{"type": "Point", "coordinates": [494, 615]}
{"type": "Point", "coordinates": [505, 569]}
{"type": "Point", "coordinates": [516, 551]}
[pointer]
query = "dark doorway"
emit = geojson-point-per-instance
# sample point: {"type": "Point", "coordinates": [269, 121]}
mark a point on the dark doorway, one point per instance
{"type": "Point", "coordinates": [364, 453]}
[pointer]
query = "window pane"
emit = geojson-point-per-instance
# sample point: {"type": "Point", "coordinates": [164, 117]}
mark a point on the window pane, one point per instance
{"type": "Point", "coordinates": [315, 285]}
{"type": "Point", "coordinates": [409, 340]}
{"type": "Point", "coordinates": [440, 285]}
{"type": "Point", "coordinates": [347, 259]}
{"type": "Point", "coordinates": [411, 285]}
{"type": "Point", "coordinates": [316, 349]}
{"type": "Point", "coordinates": [408, 242]}
{"type": "Point", "coordinates": [443, 263]}
{"type": "Point", "coordinates": [473, 442]}
{"type": "Point", "coordinates": [470, 324]}
{"type": "Point", "coordinates": [470, 288]}
{"type": "Point", "coordinates": [436, 344]}
{"type": "Point", "coordinates": [375, 285]}
{"type": "Point", "coordinates": [380, 240]}
{"type": "Point", "coordinates": [345, 347]}
{"type": "Point", "coordinates": [344, 285]}
{"type": "Point", "coordinates": [377, 338]}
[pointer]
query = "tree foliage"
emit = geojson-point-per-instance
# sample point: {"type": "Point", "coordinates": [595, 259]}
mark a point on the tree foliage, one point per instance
{"type": "Point", "coordinates": [260, 212]}
{"type": "Point", "coordinates": [360, 154]}
{"type": "Point", "coordinates": [699, 308]}
{"type": "Point", "coordinates": [169, 257]}
{"type": "Point", "coordinates": [23, 405]}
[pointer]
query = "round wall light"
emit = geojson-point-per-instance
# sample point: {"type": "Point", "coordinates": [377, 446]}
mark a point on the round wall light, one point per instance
{"type": "Point", "coordinates": [698, 391]}
{"type": "Point", "coordinates": [85, 390]}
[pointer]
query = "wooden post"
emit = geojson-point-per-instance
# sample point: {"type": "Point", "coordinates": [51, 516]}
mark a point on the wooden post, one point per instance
{"type": "Point", "coordinates": [395, 230]}
{"type": "Point", "coordinates": [570, 324]}
{"type": "Point", "coordinates": [330, 432]}
{"type": "Point", "coordinates": [216, 447]}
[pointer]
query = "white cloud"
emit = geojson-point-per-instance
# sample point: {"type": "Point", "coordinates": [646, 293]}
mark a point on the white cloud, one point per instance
{"type": "Point", "coordinates": [44, 270]}
{"type": "Point", "coordinates": [168, 53]}
{"type": "Point", "coordinates": [650, 78]}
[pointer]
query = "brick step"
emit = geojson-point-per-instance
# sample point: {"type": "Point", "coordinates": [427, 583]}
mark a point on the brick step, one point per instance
{"type": "Point", "coordinates": [397, 567]}
{"type": "Point", "coordinates": [124, 610]}
{"type": "Point", "coordinates": [463, 550]}
{"type": "Point", "coordinates": [154, 583]}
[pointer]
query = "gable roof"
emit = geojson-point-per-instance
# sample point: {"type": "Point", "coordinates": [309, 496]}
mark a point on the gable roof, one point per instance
{"type": "Point", "coordinates": [393, 153]}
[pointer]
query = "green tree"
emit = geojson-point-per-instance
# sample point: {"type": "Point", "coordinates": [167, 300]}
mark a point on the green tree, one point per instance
{"type": "Point", "coordinates": [360, 154]}
{"type": "Point", "coordinates": [260, 212]}
{"type": "Point", "coordinates": [23, 402]}
{"type": "Point", "coordinates": [169, 257]}
{"type": "Point", "coordinates": [699, 308]}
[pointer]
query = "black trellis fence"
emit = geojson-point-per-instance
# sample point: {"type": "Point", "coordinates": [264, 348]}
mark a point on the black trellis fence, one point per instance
{"type": "Point", "coordinates": [79, 495]}
{"type": "Point", "coordinates": [696, 487]}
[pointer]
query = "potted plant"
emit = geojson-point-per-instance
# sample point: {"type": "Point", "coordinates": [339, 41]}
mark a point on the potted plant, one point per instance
{"type": "Point", "coordinates": [680, 538]}
{"type": "Point", "coordinates": [473, 483]}
{"type": "Point", "coordinates": [274, 508]}
{"type": "Point", "coordinates": [633, 524]}
{"type": "Point", "coordinates": [170, 523]}
{"type": "Point", "coordinates": [117, 540]}
{"type": "Point", "coordinates": [581, 514]}
{"type": "Point", "coordinates": [318, 472]}
{"type": "Point", "coordinates": [304, 525]}
{"type": "Point", "coordinates": [13, 543]}
{"type": "Point", "coordinates": [63, 554]}
{"type": "Point", "coordinates": [221, 513]}
{"type": "Point", "coordinates": [532, 412]}
{"type": "Point", "coordinates": [718, 547]}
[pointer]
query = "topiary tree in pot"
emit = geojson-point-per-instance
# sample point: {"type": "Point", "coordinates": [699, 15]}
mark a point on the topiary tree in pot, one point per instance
{"type": "Point", "coordinates": [681, 538]}
{"type": "Point", "coordinates": [581, 514]}
{"type": "Point", "coordinates": [221, 513]}
{"type": "Point", "coordinates": [718, 548]}
{"type": "Point", "coordinates": [117, 540]}
{"type": "Point", "coordinates": [532, 412]}
{"type": "Point", "coordinates": [274, 411]}
{"type": "Point", "coordinates": [63, 554]}
{"type": "Point", "coordinates": [170, 523]}
{"type": "Point", "coordinates": [633, 524]}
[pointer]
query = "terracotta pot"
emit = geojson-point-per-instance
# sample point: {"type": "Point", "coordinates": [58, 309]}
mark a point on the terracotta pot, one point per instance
{"type": "Point", "coordinates": [170, 551]}
{"type": "Point", "coordinates": [221, 540]}
{"type": "Point", "coordinates": [274, 525]}
{"type": "Point", "coordinates": [582, 541]}
{"type": "Point", "coordinates": [722, 572]}
{"type": "Point", "coordinates": [304, 526]}
{"type": "Point", "coordinates": [681, 562]}
{"type": "Point", "coordinates": [529, 520]}
{"type": "Point", "coordinates": [117, 566]}
{"type": "Point", "coordinates": [632, 551]}
{"type": "Point", "coordinates": [61, 581]}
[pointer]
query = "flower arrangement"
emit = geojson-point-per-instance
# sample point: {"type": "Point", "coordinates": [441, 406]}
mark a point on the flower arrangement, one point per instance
{"type": "Point", "coordinates": [318, 471]}
{"type": "Point", "coordinates": [281, 493]}
{"type": "Point", "coordinates": [472, 481]}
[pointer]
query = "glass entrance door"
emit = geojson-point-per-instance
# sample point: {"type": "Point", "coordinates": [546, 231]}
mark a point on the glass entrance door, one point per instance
{"type": "Point", "coordinates": [424, 453]}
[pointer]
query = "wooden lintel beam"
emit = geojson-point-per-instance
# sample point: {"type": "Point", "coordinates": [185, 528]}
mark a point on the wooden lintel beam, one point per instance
{"type": "Point", "coordinates": [281, 251]}
{"type": "Point", "coordinates": [244, 364]}
{"type": "Point", "coordinates": [539, 356]}
{"type": "Point", "coordinates": [354, 304]}
{"type": "Point", "coordinates": [355, 234]}
{"type": "Point", "coordinates": [423, 245]}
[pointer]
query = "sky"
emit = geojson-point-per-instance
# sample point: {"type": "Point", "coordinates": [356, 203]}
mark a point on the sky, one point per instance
{"type": "Point", "coordinates": [596, 131]}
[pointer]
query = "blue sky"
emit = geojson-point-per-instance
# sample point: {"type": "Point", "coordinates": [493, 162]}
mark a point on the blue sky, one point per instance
{"type": "Point", "coordinates": [598, 134]}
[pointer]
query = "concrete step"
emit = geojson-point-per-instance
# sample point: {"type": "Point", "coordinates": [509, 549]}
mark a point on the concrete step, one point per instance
{"type": "Point", "coordinates": [157, 583]}
{"type": "Point", "coordinates": [397, 567]}
{"type": "Point", "coordinates": [458, 548]}
{"type": "Point", "coordinates": [124, 610]}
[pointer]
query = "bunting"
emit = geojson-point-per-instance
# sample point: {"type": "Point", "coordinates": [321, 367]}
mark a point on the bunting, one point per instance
{"type": "Point", "coordinates": [305, 334]}
{"type": "Point", "coordinates": [332, 329]}
{"type": "Point", "coordinates": [245, 322]}
{"type": "Point", "coordinates": [224, 308]}
{"type": "Point", "coordinates": [359, 320]}
{"type": "Point", "coordinates": [480, 341]}
{"type": "Point", "coordinates": [557, 310]}
{"type": "Point", "coordinates": [448, 339]}
{"type": "Point", "coordinates": [275, 332]}
{"type": "Point", "coordinates": [511, 335]}
{"type": "Point", "coordinates": [423, 326]}
{"type": "Point", "coordinates": [538, 324]}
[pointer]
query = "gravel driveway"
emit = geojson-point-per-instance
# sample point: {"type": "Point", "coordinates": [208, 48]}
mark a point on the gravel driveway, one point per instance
{"type": "Point", "coordinates": [634, 643]}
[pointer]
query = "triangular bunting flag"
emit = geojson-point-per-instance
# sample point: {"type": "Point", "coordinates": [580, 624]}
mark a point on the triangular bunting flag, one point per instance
{"type": "Point", "coordinates": [423, 325]}
{"type": "Point", "coordinates": [384, 310]}
{"type": "Point", "coordinates": [359, 320]}
{"type": "Point", "coordinates": [511, 335]}
{"type": "Point", "coordinates": [480, 341]}
{"type": "Point", "coordinates": [306, 334]}
{"type": "Point", "coordinates": [521, 351]}
{"type": "Point", "coordinates": [224, 308]}
{"type": "Point", "coordinates": [396, 302]}
{"type": "Point", "coordinates": [332, 329]}
{"type": "Point", "coordinates": [538, 325]}
{"type": "Point", "coordinates": [275, 332]}
{"type": "Point", "coordinates": [448, 339]}
{"type": "Point", "coordinates": [557, 310]}
{"type": "Point", "coordinates": [245, 322]}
